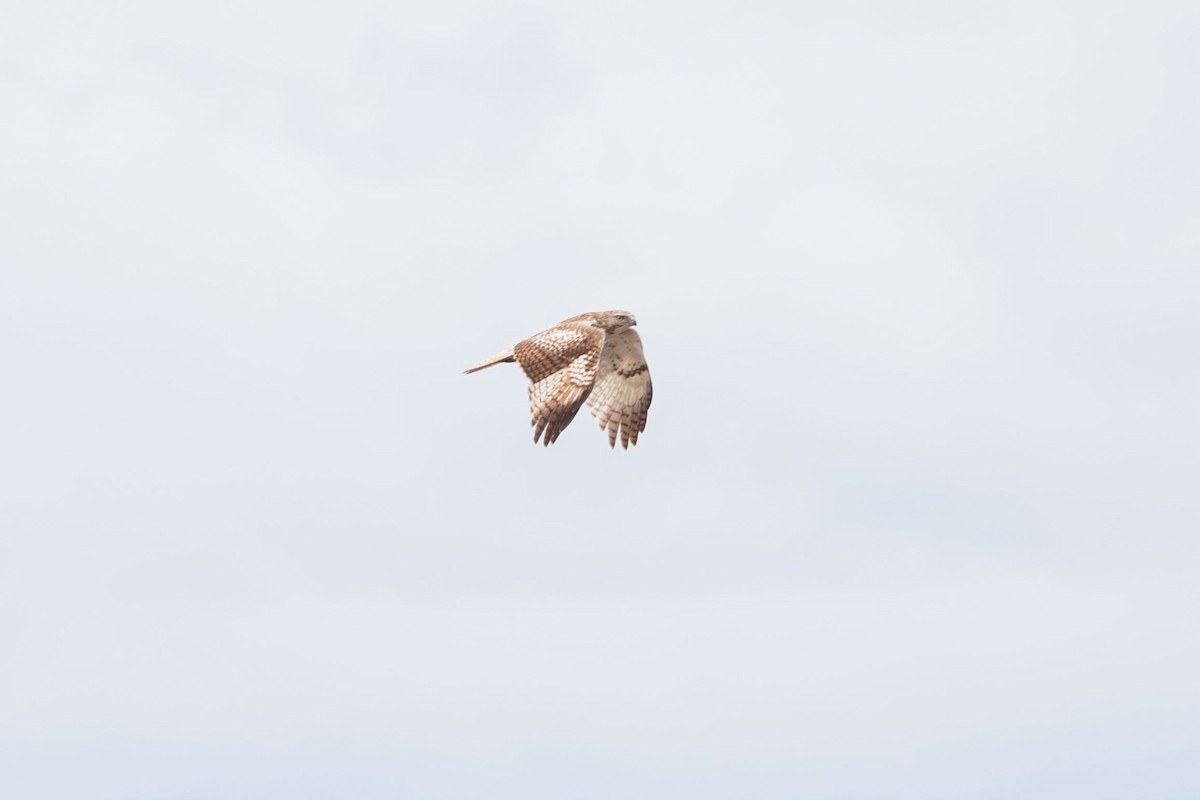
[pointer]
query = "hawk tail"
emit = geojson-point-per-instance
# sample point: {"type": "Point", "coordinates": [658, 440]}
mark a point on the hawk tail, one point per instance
{"type": "Point", "coordinates": [500, 358]}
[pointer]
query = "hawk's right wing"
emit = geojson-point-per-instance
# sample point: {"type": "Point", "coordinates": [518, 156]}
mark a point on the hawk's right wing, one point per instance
{"type": "Point", "coordinates": [561, 364]}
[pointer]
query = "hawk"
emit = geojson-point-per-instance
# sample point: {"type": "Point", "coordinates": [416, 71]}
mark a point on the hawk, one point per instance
{"type": "Point", "coordinates": [594, 358]}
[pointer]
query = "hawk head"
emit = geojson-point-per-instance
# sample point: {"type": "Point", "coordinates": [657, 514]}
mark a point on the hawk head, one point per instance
{"type": "Point", "coordinates": [614, 321]}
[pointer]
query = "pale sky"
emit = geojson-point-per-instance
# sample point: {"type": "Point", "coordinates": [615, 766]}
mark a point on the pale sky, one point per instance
{"type": "Point", "coordinates": [915, 514]}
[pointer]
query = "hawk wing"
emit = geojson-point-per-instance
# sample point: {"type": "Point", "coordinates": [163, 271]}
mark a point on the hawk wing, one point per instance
{"type": "Point", "coordinates": [561, 364]}
{"type": "Point", "coordinates": [621, 397]}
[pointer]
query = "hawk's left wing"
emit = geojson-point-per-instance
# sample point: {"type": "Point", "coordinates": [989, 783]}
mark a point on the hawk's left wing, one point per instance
{"type": "Point", "coordinates": [621, 396]}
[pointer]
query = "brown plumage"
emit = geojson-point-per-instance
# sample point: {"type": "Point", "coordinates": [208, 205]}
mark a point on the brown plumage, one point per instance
{"type": "Point", "coordinates": [594, 358]}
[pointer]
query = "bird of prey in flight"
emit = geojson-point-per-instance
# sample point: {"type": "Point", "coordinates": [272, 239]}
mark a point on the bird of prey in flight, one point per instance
{"type": "Point", "coordinates": [594, 358]}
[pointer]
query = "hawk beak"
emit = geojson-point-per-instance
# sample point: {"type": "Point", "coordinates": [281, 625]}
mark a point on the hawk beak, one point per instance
{"type": "Point", "coordinates": [633, 322]}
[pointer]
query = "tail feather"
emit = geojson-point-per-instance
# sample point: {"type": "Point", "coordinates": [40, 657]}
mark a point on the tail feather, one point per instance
{"type": "Point", "coordinates": [500, 358]}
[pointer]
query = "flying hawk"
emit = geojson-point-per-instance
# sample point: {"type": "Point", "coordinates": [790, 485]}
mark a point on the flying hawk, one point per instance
{"type": "Point", "coordinates": [594, 357]}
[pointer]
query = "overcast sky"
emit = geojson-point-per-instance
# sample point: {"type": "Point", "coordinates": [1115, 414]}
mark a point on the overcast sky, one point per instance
{"type": "Point", "coordinates": [915, 514]}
